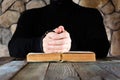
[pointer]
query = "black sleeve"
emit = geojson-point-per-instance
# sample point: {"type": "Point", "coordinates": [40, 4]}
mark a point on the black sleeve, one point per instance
{"type": "Point", "coordinates": [96, 38]}
{"type": "Point", "coordinates": [24, 40]}
{"type": "Point", "coordinates": [20, 47]}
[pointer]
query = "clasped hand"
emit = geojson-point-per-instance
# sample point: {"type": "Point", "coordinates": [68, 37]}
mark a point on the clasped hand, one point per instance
{"type": "Point", "coordinates": [58, 41]}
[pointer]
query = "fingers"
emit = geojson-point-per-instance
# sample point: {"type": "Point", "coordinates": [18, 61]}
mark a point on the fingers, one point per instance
{"type": "Point", "coordinates": [50, 48]}
{"type": "Point", "coordinates": [58, 41]}
{"type": "Point", "coordinates": [53, 35]}
{"type": "Point", "coordinates": [60, 29]}
{"type": "Point", "coordinates": [56, 45]}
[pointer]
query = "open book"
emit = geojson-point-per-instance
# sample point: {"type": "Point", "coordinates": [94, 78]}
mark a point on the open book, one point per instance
{"type": "Point", "coordinates": [72, 56]}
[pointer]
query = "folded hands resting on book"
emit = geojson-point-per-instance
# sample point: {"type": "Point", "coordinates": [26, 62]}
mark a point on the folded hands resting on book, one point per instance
{"type": "Point", "coordinates": [57, 41]}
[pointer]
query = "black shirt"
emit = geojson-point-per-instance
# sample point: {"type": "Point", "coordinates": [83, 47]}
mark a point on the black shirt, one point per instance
{"type": "Point", "coordinates": [85, 26]}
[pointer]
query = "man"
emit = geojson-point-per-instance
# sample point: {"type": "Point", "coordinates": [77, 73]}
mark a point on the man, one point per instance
{"type": "Point", "coordinates": [69, 27]}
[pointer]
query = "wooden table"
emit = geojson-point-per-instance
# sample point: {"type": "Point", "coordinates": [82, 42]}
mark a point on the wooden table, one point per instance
{"type": "Point", "coordinates": [107, 69]}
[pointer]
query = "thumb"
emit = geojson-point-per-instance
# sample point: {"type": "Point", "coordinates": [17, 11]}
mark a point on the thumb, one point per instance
{"type": "Point", "coordinates": [60, 29]}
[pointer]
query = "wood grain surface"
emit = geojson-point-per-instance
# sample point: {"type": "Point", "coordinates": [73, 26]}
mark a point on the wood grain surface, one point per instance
{"type": "Point", "coordinates": [33, 71]}
{"type": "Point", "coordinates": [61, 71]}
{"type": "Point", "coordinates": [98, 70]}
{"type": "Point", "coordinates": [9, 69]}
{"type": "Point", "coordinates": [4, 60]}
{"type": "Point", "coordinates": [91, 71]}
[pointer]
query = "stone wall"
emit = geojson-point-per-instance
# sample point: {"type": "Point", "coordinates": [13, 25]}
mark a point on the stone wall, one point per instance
{"type": "Point", "coordinates": [10, 11]}
{"type": "Point", "coordinates": [110, 10]}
